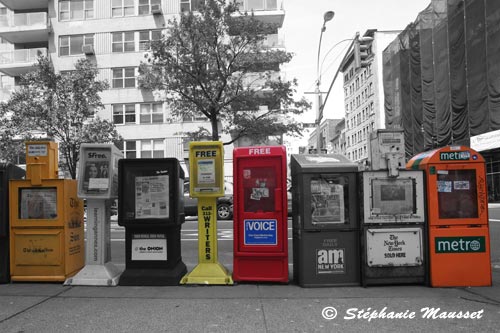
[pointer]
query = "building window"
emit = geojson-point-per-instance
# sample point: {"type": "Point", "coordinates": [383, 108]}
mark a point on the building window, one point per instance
{"type": "Point", "coordinates": [124, 114]}
{"type": "Point", "coordinates": [124, 77]}
{"type": "Point", "coordinates": [190, 5]}
{"type": "Point", "coordinates": [76, 10]}
{"type": "Point", "coordinates": [128, 148]}
{"type": "Point", "coordinates": [72, 45]}
{"type": "Point", "coordinates": [145, 6]}
{"type": "Point", "coordinates": [122, 8]}
{"type": "Point", "coordinates": [153, 148]}
{"type": "Point", "coordinates": [146, 37]}
{"type": "Point", "coordinates": [123, 42]}
{"type": "Point", "coordinates": [151, 113]}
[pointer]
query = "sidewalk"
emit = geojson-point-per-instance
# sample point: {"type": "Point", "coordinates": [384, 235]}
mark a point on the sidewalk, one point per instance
{"type": "Point", "coordinates": [52, 307]}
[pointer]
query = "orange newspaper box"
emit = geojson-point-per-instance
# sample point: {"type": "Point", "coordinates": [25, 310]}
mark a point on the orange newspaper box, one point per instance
{"type": "Point", "coordinates": [46, 220]}
{"type": "Point", "coordinates": [457, 209]}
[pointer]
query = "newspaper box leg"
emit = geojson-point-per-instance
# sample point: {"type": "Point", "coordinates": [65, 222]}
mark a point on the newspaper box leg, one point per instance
{"type": "Point", "coordinates": [208, 270]}
{"type": "Point", "coordinates": [98, 271]}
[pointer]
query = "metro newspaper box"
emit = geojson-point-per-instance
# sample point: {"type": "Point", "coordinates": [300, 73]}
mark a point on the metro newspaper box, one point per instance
{"type": "Point", "coordinates": [151, 208]}
{"type": "Point", "coordinates": [325, 220]}
{"type": "Point", "coordinates": [7, 172]}
{"type": "Point", "coordinates": [98, 185]}
{"type": "Point", "coordinates": [46, 220]}
{"type": "Point", "coordinates": [260, 214]}
{"type": "Point", "coordinates": [393, 227]}
{"type": "Point", "coordinates": [457, 207]}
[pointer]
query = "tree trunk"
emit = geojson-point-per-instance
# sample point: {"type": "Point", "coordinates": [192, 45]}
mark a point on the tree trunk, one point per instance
{"type": "Point", "coordinates": [215, 129]}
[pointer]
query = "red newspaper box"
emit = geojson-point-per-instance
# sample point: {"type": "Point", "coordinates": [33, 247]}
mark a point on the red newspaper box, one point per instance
{"type": "Point", "coordinates": [260, 214]}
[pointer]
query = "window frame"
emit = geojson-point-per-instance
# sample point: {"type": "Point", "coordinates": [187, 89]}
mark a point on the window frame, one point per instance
{"type": "Point", "coordinates": [144, 6]}
{"type": "Point", "coordinates": [87, 39]}
{"type": "Point", "coordinates": [144, 45]}
{"type": "Point", "coordinates": [123, 43]}
{"type": "Point", "coordinates": [65, 8]}
{"type": "Point", "coordinates": [153, 143]}
{"type": "Point", "coordinates": [155, 112]}
{"type": "Point", "coordinates": [126, 111]}
{"type": "Point", "coordinates": [123, 78]}
{"type": "Point", "coordinates": [124, 5]}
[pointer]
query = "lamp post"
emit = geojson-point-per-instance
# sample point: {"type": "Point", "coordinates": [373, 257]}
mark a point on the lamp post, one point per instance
{"type": "Point", "coordinates": [319, 114]}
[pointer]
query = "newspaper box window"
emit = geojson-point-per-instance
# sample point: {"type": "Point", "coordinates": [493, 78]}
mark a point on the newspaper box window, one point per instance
{"type": "Point", "coordinates": [259, 184]}
{"type": "Point", "coordinates": [457, 194]}
{"type": "Point", "coordinates": [328, 200]}
{"type": "Point", "coordinates": [150, 197]}
{"type": "Point", "coordinates": [38, 203]}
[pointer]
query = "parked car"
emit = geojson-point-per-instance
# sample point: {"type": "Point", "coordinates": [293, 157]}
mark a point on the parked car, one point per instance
{"type": "Point", "coordinates": [224, 204]}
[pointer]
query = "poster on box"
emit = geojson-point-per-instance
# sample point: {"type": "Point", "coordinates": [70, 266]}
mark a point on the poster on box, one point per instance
{"type": "Point", "coordinates": [96, 176]}
{"type": "Point", "coordinates": [151, 197]}
{"type": "Point", "coordinates": [38, 203]}
{"type": "Point", "coordinates": [327, 202]}
{"type": "Point", "coordinates": [206, 171]}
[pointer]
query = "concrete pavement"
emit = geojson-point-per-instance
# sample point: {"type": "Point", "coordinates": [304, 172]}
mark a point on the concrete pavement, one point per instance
{"type": "Point", "coordinates": [52, 307]}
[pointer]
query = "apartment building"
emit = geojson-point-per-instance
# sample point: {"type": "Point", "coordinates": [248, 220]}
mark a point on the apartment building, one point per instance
{"type": "Point", "coordinates": [364, 95]}
{"type": "Point", "coordinates": [115, 35]}
{"type": "Point", "coordinates": [327, 134]}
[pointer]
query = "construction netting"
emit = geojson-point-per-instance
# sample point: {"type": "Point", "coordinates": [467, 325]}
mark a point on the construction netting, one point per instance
{"type": "Point", "coordinates": [442, 75]}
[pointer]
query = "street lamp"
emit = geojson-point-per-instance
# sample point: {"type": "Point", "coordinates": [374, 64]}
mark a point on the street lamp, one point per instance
{"type": "Point", "coordinates": [326, 17]}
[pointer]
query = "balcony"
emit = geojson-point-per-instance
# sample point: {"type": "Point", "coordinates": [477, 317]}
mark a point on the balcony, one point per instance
{"type": "Point", "coordinates": [257, 80]}
{"type": "Point", "coordinates": [270, 11]}
{"type": "Point", "coordinates": [25, 4]}
{"type": "Point", "coordinates": [18, 62]}
{"type": "Point", "coordinates": [273, 42]}
{"type": "Point", "coordinates": [25, 28]}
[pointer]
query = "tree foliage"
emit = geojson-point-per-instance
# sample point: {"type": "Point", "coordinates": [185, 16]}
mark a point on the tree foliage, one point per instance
{"type": "Point", "coordinates": [60, 106]}
{"type": "Point", "coordinates": [214, 62]}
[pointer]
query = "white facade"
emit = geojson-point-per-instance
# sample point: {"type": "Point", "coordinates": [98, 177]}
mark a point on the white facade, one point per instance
{"type": "Point", "coordinates": [113, 34]}
{"type": "Point", "coordinates": [364, 96]}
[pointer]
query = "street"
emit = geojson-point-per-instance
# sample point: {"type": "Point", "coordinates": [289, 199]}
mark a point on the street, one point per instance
{"type": "Point", "coordinates": [189, 241]}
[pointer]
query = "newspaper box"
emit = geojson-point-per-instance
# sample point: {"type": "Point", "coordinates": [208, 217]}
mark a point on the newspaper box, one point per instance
{"type": "Point", "coordinates": [325, 220]}
{"type": "Point", "coordinates": [7, 172]}
{"type": "Point", "coordinates": [98, 185]}
{"type": "Point", "coordinates": [457, 208]}
{"type": "Point", "coordinates": [46, 220]}
{"type": "Point", "coordinates": [151, 208]}
{"type": "Point", "coordinates": [260, 214]}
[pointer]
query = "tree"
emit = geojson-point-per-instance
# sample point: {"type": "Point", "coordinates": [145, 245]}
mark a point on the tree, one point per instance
{"type": "Point", "coordinates": [59, 105]}
{"type": "Point", "coordinates": [214, 62]}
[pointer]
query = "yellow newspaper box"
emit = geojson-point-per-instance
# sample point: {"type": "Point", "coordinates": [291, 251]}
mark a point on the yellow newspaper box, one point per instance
{"type": "Point", "coordinates": [46, 221]}
{"type": "Point", "coordinates": [206, 161]}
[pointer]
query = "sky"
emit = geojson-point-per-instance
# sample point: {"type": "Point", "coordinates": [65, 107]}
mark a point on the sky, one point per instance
{"type": "Point", "coordinates": [301, 32]}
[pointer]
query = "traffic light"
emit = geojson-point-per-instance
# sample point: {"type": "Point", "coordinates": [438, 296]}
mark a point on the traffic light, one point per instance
{"type": "Point", "coordinates": [361, 51]}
